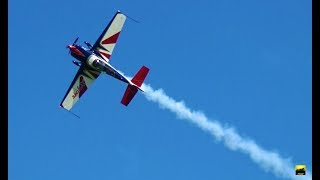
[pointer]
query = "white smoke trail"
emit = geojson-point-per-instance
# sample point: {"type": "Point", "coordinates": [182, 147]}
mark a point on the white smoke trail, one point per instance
{"type": "Point", "coordinates": [268, 160]}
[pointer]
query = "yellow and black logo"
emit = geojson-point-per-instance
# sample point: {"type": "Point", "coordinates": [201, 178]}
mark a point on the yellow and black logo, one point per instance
{"type": "Point", "coordinates": [301, 169]}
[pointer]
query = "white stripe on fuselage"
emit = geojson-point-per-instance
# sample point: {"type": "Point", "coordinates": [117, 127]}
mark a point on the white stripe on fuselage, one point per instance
{"type": "Point", "coordinates": [107, 65]}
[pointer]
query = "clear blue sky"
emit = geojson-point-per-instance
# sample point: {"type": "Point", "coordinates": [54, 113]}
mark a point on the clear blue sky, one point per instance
{"type": "Point", "coordinates": [244, 63]}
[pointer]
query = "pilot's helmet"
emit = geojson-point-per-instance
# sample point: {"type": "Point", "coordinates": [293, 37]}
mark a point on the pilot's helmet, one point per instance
{"type": "Point", "coordinates": [95, 62]}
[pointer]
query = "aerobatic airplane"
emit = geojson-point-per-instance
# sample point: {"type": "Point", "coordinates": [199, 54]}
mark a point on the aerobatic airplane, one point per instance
{"type": "Point", "coordinates": [95, 59]}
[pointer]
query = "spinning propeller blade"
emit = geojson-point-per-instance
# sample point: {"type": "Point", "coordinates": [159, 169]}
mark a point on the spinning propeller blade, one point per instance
{"type": "Point", "coordinates": [75, 41]}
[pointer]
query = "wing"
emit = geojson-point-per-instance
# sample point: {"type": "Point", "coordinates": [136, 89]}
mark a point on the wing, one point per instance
{"type": "Point", "coordinates": [107, 40]}
{"type": "Point", "coordinates": [81, 82]}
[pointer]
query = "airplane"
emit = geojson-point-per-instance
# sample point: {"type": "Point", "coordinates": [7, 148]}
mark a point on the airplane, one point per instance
{"type": "Point", "coordinates": [95, 59]}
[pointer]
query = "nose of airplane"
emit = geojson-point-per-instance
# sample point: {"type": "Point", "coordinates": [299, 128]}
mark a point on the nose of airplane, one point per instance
{"type": "Point", "coordinates": [70, 47]}
{"type": "Point", "coordinates": [73, 49]}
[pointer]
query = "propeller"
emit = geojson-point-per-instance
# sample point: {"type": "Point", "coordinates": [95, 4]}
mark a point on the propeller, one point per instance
{"type": "Point", "coordinates": [75, 41]}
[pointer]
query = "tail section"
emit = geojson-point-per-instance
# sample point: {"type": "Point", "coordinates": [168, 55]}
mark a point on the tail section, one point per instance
{"type": "Point", "coordinates": [140, 76]}
{"type": "Point", "coordinates": [137, 81]}
{"type": "Point", "coordinates": [131, 91]}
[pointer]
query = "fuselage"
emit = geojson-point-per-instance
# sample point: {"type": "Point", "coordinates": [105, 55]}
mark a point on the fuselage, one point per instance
{"type": "Point", "coordinates": [93, 60]}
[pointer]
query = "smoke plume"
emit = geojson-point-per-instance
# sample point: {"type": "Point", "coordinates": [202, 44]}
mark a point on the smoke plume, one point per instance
{"type": "Point", "coordinates": [268, 160]}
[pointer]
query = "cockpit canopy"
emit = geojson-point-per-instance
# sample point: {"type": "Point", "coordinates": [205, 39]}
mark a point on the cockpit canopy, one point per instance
{"type": "Point", "coordinates": [97, 63]}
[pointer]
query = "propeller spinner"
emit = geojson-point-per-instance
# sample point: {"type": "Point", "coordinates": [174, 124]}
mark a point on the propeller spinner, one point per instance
{"type": "Point", "coordinates": [75, 41]}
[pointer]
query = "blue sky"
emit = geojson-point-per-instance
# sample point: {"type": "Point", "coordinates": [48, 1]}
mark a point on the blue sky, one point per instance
{"type": "Point", "coordinates": [246, 64]}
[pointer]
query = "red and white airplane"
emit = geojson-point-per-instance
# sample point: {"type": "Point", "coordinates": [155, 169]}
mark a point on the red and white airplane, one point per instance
{"type": "Point", "coordinates": [94, 60]}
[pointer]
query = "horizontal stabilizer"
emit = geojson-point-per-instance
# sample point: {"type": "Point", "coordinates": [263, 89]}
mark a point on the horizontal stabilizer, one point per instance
{"type": "Point", "coordinates": [140, 76]}
{"type": "Point", "coordinates": [131, 91]}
